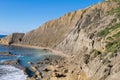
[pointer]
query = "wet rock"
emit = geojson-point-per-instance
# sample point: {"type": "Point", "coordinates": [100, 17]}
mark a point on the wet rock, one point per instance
{"type": "Point", "coordinates": [31, 78]}
{"type": "Point", "coordinates": [29, 62]}
{"type": "Point", "coordinates": [5, 54]}
{"type": "Point", "coordinates": [46, 59]}
{"type": "Point", "coordinates": [33, 68]}
{"type": "Point", "coordinates": [10, 62]}
{"type": "Point", "coordinates": [37, 73]}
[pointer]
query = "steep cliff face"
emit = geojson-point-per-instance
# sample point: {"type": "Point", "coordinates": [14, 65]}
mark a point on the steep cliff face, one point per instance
{"type": "Point", "coordinates": [73, 31]}
{"type": "Point", "coordinates": [13, 38]}
{"type": "Point", "coordinates": [53, 32]}
{"type": "Point", "coordinates": [90, 35]}
{"type": "Point", "coordinates": [84, 33]}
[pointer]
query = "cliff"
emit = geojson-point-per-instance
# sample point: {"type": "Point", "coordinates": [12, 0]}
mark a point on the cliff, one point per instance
{"type": "Point", "coordinates": [90, 36]}
{"type": "Point", "coordinates": [13, 38]}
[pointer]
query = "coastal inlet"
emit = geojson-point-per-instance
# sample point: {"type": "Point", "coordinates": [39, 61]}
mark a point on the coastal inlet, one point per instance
{"type": "Point", "coordinates": [11, 56]}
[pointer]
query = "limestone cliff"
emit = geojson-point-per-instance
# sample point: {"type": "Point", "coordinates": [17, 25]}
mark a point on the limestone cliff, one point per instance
{"type": "Point", "coordinates": [13, 38]}
{"type": "Point", "coordinates": [90, 36]}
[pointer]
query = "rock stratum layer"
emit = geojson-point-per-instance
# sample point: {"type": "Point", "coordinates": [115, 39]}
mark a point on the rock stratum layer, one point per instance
{"type": "Point", "coordinates": [90, 36]}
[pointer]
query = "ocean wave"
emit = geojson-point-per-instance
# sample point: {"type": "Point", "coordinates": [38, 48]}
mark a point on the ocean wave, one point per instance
{"type": "Point", "coordinates": [8, 72]}
{"type": "Point", "coordinates": [19, 56]}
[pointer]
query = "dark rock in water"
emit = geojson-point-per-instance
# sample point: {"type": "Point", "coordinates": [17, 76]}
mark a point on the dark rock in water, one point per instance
{"type": "Point", "coordinates": [45, 49]}
{"type": "Point", "coordinates": [36, 72]}
{"type": "Point", "coordinates": [28, 72]}
{"type": "Point", "coordinates": [46, 59]}
{"type": "Point", "coordinates": [10, 62]}
{"type": "Point", "coordinates": [5, 54]}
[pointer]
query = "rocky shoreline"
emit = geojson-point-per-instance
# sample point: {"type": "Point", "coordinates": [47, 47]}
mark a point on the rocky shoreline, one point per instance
{"type": "Point", "coordinates": [54, 68]}
{"type": "Point", "coordinates": [14, 63]}
{"type": "Point", "coordinates": [51, 68]}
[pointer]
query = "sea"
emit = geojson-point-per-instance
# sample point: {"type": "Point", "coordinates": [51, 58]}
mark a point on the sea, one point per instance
{"type": "Point", "coordinates": [24, 55]}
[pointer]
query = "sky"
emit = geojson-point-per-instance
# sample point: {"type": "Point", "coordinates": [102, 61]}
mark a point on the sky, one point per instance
{"type": "Point", "coordinates": [25, 15]}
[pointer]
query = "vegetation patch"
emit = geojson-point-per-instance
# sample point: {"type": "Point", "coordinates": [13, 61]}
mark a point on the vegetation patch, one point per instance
{"type": "Point", "coordinates": [117, 35]}
{"type": "Point", "coordinates": [114, 11]}
{"type": "Point", "coordinates": [103, 32]}
{"type": "Point", "coordinates": [109, 38]}
{"type": "Point", "coordinates": [113, 54]}
{"type": "Point", "coordinates": [107, 30]}
{"type": "Point", "coordinates": [94, 53]}
{"type": "Point", "coordinates": [113, 46]}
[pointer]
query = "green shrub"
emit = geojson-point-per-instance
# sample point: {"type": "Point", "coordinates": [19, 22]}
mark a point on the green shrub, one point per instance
{"type": "Point", "coordinates": [96, 53]}
{"type": "Point", "coordinates": [109, 38]}
{"type": "Point", "coordinates": [117, 35]}
{"type": "Point", "coordinates": [107, 30]}
{"type": "Point", "coordinates": [113, 54]}
{"type": "Point", "coordinates": [114, 27]}
{"type": "Point", "coordinates": [103, 32]}
{"type": "Point", "coordinates": [114, 11]}
{"type": "Point", "coordinates": [113, 46]}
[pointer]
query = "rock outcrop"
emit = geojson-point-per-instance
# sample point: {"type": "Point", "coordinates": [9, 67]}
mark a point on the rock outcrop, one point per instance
{"type": "Point", "coordinates": [13, 38]}
{"type": "Point", "coordinates": [90, 36]}
{"type": "Point", "coordinates": [5, 54]}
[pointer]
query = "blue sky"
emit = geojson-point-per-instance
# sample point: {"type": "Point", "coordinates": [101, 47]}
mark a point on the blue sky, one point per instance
{"type": "Point", "coordinates": [25, 15]}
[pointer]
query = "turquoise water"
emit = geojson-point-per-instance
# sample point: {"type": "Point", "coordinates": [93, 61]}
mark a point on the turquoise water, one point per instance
{"type": "Point", "coordinates": [24, 55]}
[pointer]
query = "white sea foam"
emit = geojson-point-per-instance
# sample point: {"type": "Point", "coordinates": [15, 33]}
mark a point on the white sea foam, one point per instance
{"type": "Point", "coordinates": [8, 72]}
{"type": "Point", "coordinates": [19, 56]}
